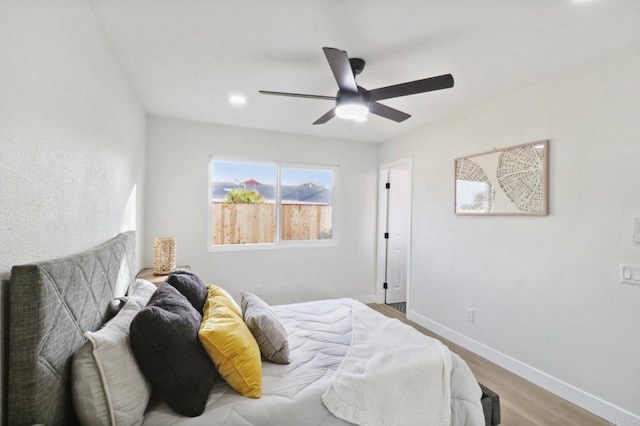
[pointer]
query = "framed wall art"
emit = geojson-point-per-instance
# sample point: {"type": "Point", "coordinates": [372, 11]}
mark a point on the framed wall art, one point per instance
{"type": "Point", "coordinates": [512, 181]}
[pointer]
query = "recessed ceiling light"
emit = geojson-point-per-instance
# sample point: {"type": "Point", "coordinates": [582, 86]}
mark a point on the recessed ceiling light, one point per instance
{"type": "Point", "coordinates": [237, 99]}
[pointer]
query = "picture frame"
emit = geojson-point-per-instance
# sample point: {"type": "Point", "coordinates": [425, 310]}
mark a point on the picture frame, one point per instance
{"type": "Point", "coordinates": [512, 181]}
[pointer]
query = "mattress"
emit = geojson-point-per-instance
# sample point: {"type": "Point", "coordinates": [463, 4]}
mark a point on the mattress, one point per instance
{"type": "Point", "coordinates": [319, 337]}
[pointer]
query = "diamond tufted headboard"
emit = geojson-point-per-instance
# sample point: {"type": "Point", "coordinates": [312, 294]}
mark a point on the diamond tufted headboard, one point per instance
{"type": "Point", "coordinates": [51, 305]}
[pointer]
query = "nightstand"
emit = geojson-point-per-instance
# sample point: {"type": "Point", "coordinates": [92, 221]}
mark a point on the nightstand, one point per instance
{"type": "Point", "coordinates": [147, 274]}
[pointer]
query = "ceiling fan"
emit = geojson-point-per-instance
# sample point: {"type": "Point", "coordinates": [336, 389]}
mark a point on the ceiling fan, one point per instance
{"type": "Point", "coordinates": [354, 102]}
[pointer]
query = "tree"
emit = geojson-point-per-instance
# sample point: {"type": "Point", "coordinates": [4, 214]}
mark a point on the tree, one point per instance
{"type": "Point", "coordinates": [243, 196]}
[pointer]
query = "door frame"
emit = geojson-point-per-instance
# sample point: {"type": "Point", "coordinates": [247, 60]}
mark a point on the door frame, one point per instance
{"type": "Point", "coordinates": [382, 227]}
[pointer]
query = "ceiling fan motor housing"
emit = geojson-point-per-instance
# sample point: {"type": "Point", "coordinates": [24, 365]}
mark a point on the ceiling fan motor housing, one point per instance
{"type": "Point", "coordinates": [361, 97]}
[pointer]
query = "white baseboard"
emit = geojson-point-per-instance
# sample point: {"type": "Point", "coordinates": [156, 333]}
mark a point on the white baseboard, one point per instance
{"type": "Point", "coordinates": [592, 403]}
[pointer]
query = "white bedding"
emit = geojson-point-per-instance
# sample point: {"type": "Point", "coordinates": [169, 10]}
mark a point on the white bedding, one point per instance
{"type": "Point", "coordinates": [391, 372]}
{"type": "Point", "coordinates": [319, 338]}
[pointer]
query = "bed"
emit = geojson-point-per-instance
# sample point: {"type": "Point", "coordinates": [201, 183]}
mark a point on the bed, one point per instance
{"type": "Point", "coordinates": [53, 304]}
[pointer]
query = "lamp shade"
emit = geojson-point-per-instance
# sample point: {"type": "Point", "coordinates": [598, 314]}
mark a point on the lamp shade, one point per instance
{"type": "Point", "coordinates": [164, 255]}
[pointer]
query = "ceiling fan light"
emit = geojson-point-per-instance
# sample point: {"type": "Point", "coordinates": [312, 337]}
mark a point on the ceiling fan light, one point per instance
{"type": "Point", "coordinates": [352, 111]}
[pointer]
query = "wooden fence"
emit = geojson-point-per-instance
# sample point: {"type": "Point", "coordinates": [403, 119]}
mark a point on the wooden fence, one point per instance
{"type": "Point", "coordinates": [256, 223]}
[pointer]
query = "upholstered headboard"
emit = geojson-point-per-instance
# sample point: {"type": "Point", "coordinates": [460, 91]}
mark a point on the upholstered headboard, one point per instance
{"type": "Point", "coordinates": [51, 305]}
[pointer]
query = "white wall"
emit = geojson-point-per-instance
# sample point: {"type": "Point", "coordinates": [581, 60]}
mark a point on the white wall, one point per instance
{"type": "Point", "coordinates": [177, 205]}
{"type": "Point", "coordinates": [72, 136]}
{"type": "Point", "coordinates": [545, 289]}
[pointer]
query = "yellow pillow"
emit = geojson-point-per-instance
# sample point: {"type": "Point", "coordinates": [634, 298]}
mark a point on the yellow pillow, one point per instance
{"type": "Point", "coordinates": [230, 344]}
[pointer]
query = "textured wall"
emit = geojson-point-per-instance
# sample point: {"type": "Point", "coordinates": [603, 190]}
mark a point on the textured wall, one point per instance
{"type": "Point", "coordinates": [72, 135]}
{"type": "Point", "coordinates": [177, 182]}
{"type": "Point", "coordinates": [545, 290]}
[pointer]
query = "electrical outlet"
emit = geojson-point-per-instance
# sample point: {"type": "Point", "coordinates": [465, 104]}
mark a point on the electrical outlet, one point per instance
{"type": "Point", "coordinates": [470, 315]}
{"type": "Point", "coordinates": [630, 274]}
{"type": "Point", "coordinates": [636, 229]}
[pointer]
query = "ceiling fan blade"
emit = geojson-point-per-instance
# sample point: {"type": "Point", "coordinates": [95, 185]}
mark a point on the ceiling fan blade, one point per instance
{"type": "Point", "coordinates": [298, 95]}
{"type": "Point", "coordinates": [328, 116]}
{"type": "Point", "coordinates": [341, 68]}
{"type": "Point", "coordinates": [411, 88]}
{"type": "Point", "coordinates": [387, 112]}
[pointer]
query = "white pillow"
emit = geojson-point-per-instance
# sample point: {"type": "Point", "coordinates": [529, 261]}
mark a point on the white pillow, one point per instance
{"type": "Point", "coordinates": [142, 292]}
{"type": "Point", "coordinates": [108, 386]}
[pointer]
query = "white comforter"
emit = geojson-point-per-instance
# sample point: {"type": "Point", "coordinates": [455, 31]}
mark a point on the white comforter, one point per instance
{"type": "Point", "coordinates": [319, 338]}
{"type": "Point", "coordinates": [391, 372]}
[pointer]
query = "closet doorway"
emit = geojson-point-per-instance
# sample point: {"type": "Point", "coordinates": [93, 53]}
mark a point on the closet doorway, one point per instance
{"type": "Point", "coordinates": [394, 230]}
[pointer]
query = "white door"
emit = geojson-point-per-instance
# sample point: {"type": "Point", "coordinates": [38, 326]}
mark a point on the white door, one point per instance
{"type": "Point", "coordinates": [398, 207]}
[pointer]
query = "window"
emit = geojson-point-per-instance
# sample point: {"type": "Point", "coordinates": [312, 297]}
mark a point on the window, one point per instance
{"type": "Point", "coordinates": [271, 204]}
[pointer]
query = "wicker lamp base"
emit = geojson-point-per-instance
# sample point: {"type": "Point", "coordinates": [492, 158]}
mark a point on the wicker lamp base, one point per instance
{"type": "Point", "coordinates": [164, 255]}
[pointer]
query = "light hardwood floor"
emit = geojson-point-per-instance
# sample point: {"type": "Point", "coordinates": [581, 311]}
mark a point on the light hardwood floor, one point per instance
{"type": "Point", "coordinates": [521, 402]}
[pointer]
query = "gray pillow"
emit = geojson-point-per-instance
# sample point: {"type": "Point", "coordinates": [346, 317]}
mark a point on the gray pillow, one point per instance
{"type": "Point", "coordinates": [164, 340]}
{"type": "Point", "coordinates": [191, 287]}
{"type": "Point", "coordinates": [266, 328]}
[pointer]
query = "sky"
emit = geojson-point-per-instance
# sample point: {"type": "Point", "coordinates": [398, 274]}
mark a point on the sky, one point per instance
{"type": "Point", "coordinates": [226, 171]}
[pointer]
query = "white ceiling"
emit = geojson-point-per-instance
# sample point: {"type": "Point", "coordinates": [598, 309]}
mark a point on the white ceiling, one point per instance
{"type": "Point", "coordinates": [184, 58]}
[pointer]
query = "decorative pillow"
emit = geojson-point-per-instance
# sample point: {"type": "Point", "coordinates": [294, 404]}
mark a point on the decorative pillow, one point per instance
{"type": "Point", "coordinates": [232, 302]}
{"type": "Point", "coordinates": [108, 386]}
{"type": "Point", "coordinates": [191, 287]}
{"type": "Point", "coordinates": [164, 339]}
{"type": "Point", "coordinates": [266, 327]}
{"type": "Point", "coordinates": [230, 344]}
{"type": "Point", "coordinates": [142, 292]}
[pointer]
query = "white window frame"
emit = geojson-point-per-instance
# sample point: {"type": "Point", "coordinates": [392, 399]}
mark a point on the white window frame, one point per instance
{"type": "Point", "coordinates": [278, 244]}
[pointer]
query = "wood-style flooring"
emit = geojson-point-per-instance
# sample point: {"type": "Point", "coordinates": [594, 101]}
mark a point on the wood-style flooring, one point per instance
{"type": "Point", "coordinates": [521, 402]}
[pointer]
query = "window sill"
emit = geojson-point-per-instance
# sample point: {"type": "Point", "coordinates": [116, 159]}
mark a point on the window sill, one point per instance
{"type": "Point", "coordinates": [274, 246]}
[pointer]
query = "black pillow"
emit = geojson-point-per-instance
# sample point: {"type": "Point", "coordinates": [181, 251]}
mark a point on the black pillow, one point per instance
{"type": "Point", "coordinates": [164, 340]}
{"type": "Point", "coordinates": [191, 287]}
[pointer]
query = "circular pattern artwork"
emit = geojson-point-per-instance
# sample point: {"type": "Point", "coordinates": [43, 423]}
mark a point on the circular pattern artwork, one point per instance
{"type": "Point", "coordinates": [520, 175]}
